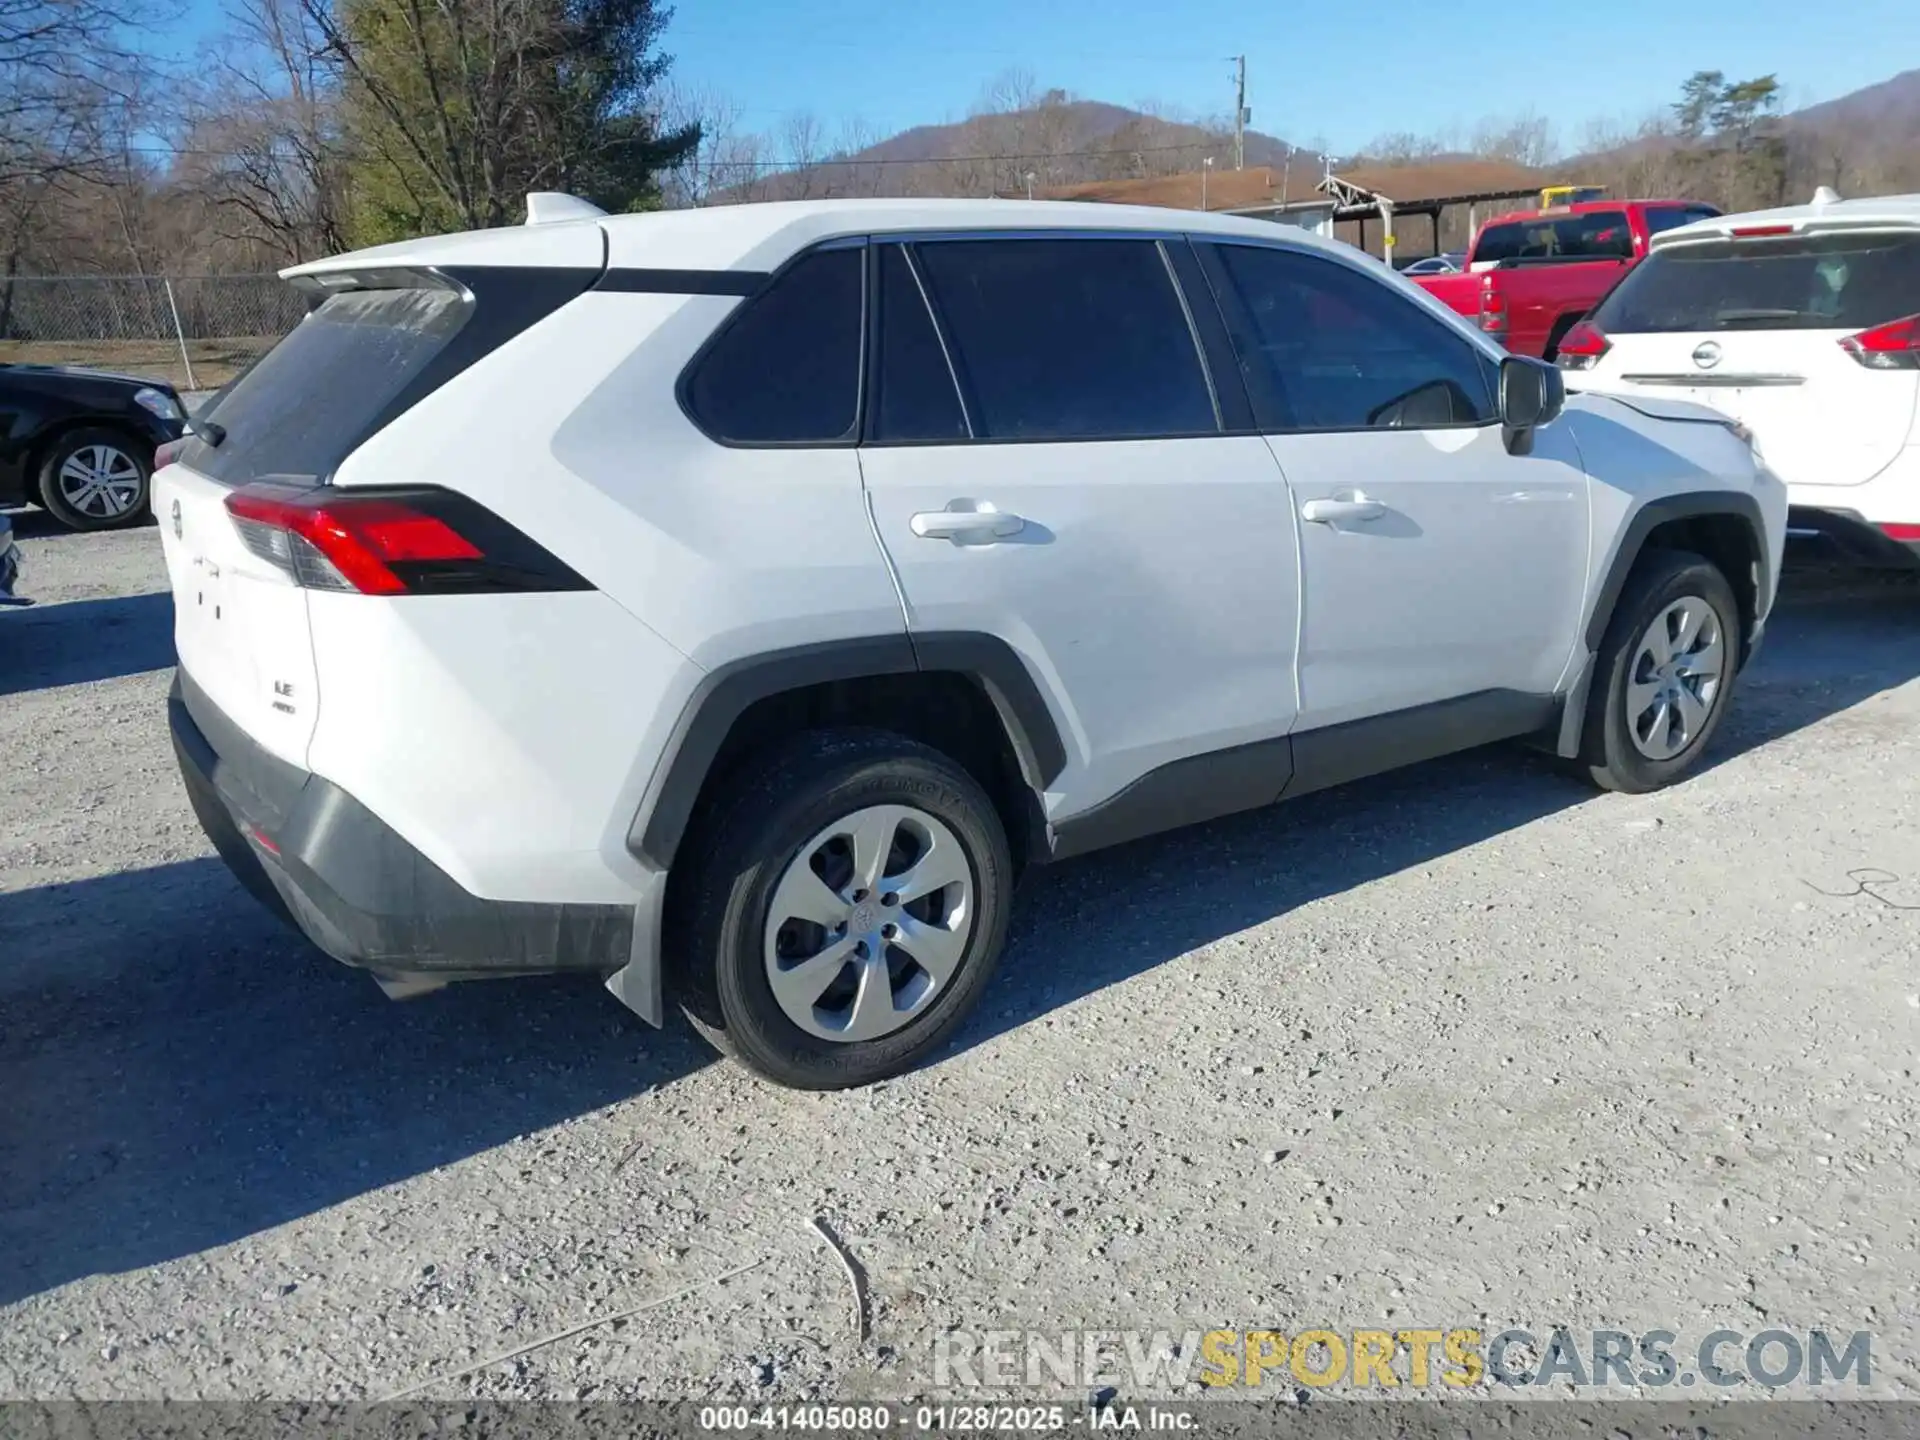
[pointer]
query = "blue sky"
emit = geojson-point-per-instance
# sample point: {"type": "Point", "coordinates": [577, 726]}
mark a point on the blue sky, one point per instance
{"type": "Point", "coordinates": [1342, 72]}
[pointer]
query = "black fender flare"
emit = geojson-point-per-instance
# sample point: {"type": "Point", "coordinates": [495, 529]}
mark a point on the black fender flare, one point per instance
{"type": "Point", "coordinates": [725, 694]}
{"type": "Point", "coordinates": [1693, 505]}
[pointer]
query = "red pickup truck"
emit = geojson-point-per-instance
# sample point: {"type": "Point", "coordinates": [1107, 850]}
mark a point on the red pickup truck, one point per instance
{"type": "Point", "coordinates": [1531, 275]}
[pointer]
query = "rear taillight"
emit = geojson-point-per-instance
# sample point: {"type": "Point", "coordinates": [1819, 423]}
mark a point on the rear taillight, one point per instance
{"type": "Point", "coordinates": [1908, 533]}
{"type": "Point", "coordinates": [1581, 347]}
{"type": "Point", "coordinates": [1893, 346]}
{"type": "Point", "coordinates": [414, 541]}
{"type": "Point", "coordinates": [1493, 308]}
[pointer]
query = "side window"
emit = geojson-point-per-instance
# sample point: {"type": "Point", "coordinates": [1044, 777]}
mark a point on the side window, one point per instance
{"type": "Point", "coordinates": [914, 397]}
{"type": "Point", "coordinates": [1668, 217]}
{"type": "Point", "coordinates": [1068, 339]}
{"type": "Point", "coordinates": [1596, 235]}
{"type": "Point", "coordinates": [1327, 347]}
{"type": "Point", "coordinates": [785, 369]}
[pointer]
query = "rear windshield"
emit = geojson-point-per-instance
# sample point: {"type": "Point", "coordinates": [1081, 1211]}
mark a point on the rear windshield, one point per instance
{"type": "Point", "coordinates": [1798, 282]}
{"type": "Point", "coordinates": [1597, 235]}
{"type": "Point", "coordinates": [298, 412]}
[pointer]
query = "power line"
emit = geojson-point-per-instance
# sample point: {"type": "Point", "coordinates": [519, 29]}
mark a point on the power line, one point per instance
{"type": "Point", "coordinates": [770, 166]}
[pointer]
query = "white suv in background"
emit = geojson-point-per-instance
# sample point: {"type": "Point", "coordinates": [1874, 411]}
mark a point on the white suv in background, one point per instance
{"type": "Point", "coordinates": [1802, 324]}
{"type": "Point", "coordinates": [731, 603]}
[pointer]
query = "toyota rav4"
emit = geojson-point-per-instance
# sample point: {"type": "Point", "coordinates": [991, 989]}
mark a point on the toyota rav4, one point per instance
{"type": "Point", "coordinates": [733, 603]}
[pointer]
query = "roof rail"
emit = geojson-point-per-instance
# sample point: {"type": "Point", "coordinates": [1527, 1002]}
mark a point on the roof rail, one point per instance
{"type": "Point", "coordinates": [548, 207]}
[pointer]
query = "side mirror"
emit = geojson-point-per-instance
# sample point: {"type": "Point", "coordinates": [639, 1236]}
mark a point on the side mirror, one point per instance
{"type": "Point", "coordinates": [1532, 394]}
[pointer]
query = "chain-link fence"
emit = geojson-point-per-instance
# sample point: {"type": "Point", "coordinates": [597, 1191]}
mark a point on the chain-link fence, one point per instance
{"type": "Point", "coordinates": [194, 331]}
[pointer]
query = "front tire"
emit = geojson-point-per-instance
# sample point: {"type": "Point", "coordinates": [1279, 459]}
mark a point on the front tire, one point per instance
{"type": "Point", "coordinates": [95, 479]}
{"type": "Point", "coordinates": [1663, 675]}
{"type": "Point", "coordinates": [847, 908]}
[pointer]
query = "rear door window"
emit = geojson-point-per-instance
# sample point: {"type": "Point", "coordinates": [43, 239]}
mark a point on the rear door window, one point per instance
{"type": "Point", "coordinates": [914, 393]}
{"type": "Point", "coordinates": [1068, 339]}
{"type": "Point", "coordinates": [301, 408]}
{"type": "Point", "coordinates": [1796, 282]}
{"type": "Point", "coordinates": [785, 368]}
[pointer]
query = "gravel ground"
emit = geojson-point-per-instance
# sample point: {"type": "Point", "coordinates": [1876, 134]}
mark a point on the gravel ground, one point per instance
{"type": "Point", "coordinates": [1468, 1045]}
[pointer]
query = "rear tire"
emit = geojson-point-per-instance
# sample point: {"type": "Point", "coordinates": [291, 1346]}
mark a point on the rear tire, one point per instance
{"type": "Point", "coordinates": [862, 977]}
{"type": "Point", "coordinates": [96, 479]}
{"type": "Point", "coordinates": [1663, 675]}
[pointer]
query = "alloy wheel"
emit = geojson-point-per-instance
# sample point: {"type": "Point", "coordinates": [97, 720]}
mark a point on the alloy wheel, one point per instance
{"type": "Point", "coordinates": [1678, 668]}
{"type": "Point", "coordinates": [869, 923]}
{"type": "Point", "coordinates": [100, 481]}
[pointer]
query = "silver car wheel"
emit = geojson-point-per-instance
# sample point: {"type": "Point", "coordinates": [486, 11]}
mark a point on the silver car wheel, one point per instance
{"type": "Point", "coordinates": [1677, 671]}
{"type": "Point", "coordinates": [100, 481]}
{"type": "Point", "coordinates": [869, 923]}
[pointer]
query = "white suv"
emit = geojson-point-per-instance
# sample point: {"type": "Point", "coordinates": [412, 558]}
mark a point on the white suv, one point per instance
{"type": "Point", "coordinates": [733, 602]}
{"type": "Point", "coordinates": [1802, 324]}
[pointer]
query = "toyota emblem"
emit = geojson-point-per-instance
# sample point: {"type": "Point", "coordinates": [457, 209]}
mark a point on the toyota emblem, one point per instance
{"type": "Point", "coordinates": [176, 519]}
{"type": "Point", "coordinates": [1706, 354]}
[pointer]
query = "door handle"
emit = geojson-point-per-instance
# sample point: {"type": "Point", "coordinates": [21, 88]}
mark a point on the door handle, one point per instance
{"type": "Point", "coordinates": [1327, 511]}
{"type": "Point", "coordinates": [975, 523]}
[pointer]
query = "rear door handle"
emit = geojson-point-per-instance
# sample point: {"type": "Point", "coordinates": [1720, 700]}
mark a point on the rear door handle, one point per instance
{"type": "Point", "coordinates": [974, 523]}
{"type": "Point", "coordinates": [1327, 511]}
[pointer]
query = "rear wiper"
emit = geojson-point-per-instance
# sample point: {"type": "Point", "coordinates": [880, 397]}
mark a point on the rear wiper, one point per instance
{"type": "Point", "coordinates": [207, 430]}
{"type": "Point", "coordinates": [1756, 316]}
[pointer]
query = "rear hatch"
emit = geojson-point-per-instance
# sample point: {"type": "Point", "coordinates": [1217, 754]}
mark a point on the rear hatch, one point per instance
{"type": "Point", "coordinates": [1775, 328]}
{"type": "Point", "coordinates": [240, 619]}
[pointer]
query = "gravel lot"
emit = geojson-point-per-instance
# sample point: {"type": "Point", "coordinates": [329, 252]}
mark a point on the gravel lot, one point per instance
{"type": "Point", "coordinates": [1466, 1045]}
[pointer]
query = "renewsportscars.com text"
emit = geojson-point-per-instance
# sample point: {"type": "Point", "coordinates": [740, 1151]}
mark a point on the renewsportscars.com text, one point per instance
{"type": "Point", "coordinates": [1439, 1358]}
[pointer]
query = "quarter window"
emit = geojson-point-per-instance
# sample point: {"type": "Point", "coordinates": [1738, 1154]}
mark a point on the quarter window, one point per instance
{"type": "Point", "coordinates": [786, 368]}
{"type": "Point", "coordinates": [1068, 339]}
{"type": "Point", "coordinates": [1325, 347]}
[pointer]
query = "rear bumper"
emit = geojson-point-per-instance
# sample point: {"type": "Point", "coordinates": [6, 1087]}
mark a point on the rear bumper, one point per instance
{"type": "Point", "coordinates": [320, 859]}
{"type": "Point", "coordinates": [1847, 535]}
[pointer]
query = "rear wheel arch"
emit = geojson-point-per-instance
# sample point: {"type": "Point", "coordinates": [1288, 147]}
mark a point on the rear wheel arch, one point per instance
{"type": "Point", "coordinates": [50, 439]}
{"type": "Point", "coordinates": [968, 695]}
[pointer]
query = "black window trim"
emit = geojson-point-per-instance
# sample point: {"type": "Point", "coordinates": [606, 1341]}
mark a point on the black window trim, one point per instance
{"type": "Point", "coordinates": [1190, 262]}
{"type": "Point", "coordinates": [876, 249]}
{"type": "Point", "coordinates": [848, 439]}
{"type": "Point", "coordinates": [1162, 240]}
{"type": "Point", "coordinates": [1207, 244]}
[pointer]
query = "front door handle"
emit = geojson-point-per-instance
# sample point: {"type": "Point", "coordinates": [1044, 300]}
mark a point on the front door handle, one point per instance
{"type": "Point", "coordinates": [1332, 509]}
{"type": "Point", "coordinates": [977, 522]}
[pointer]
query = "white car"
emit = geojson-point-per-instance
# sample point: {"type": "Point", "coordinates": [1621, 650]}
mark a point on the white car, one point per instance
{"type": "Point", "coordinates": [1802, 324]}
{"type": "Point", "coordinates": [733, 602]}
{"type": "Point", "coordinates": [1447, 264]}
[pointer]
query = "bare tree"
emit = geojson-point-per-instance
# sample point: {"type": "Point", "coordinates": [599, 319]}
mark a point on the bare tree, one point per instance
{"type": "Point", "coordinates": [1525, 139]}
{"type": "Point", "coordinates": [726, 159]}
{"type": "Point", "coordinates": [266, 127]}
{"type": "Point", "coordinates": [802, 146]}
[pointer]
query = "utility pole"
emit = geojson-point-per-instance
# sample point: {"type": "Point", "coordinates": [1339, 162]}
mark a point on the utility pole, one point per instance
{"type": "Point", "coordinates": [1240, 112]}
